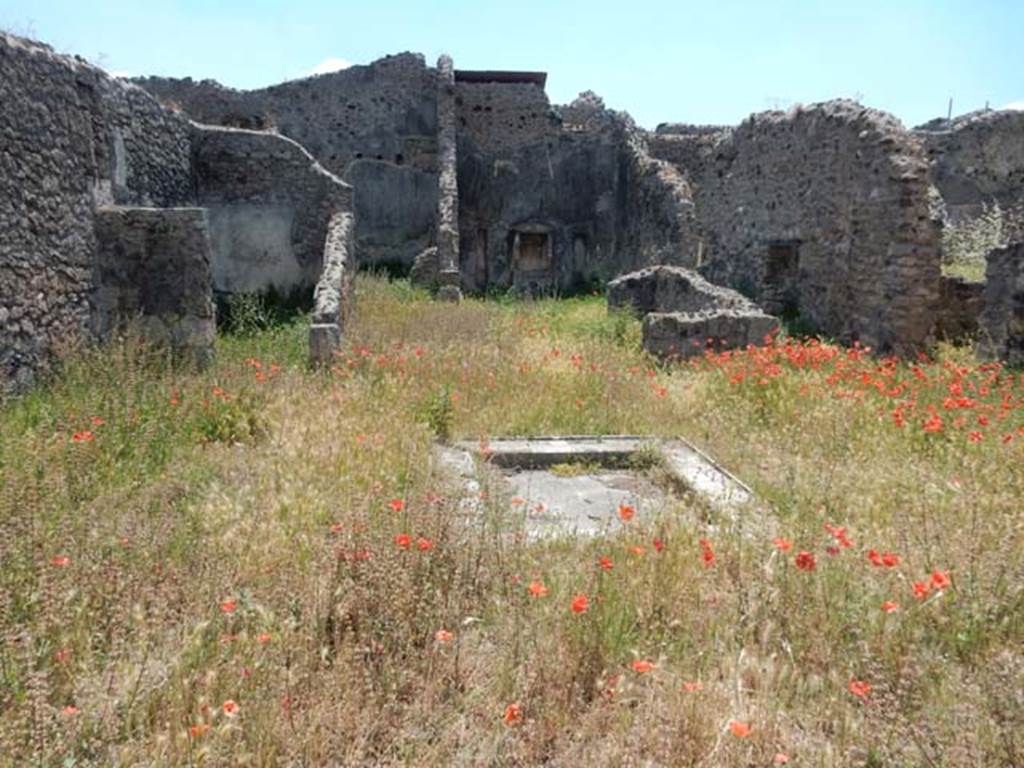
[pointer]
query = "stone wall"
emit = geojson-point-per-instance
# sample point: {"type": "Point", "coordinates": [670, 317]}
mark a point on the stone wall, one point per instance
{"type": "Point", "coordinates": [826, 210]}
{"type": "Point", "coordinates": [977, 159]}
{"type": "Point", "coordinates": [498, 117]}
{"type": "Point", "coordinates": [374, 126]}
{"type": "Point", "coordinates": [153, 272]}
{"type": "Point", "coordinates": [269, 206]}
{"type": "Point", "coordinates": [72, 138]}
{"type": "Point", "coordinates": [561, 208]}
{"type": "Point", "coordinates": [1001, 331]}
{"type": "Point", "coordinates": [961, 302]}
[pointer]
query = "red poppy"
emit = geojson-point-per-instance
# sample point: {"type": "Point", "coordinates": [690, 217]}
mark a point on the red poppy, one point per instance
{"type": "Point", "coordinates": [739, 730]}
{"type": "Point", "coordinates": [642, 666]}
{"type": "Point", "coordinates": [659, 545]}
{"type": "Point", "coordinates": [263, 638]}
{"type": "Point", "coordinates": [230, 707]}
{"type": "Point", "coordinates": [693, 686]}
{"type": "Point", "coordinates": [85, 436]}
{"type": "Point", "coordinates": [580, 604]}
{"type": "Point", "coordinates": [707, 554]}
{"type": "Point", "coordinates": [940, 580]}
{"type": "Point", "coordinates": [397, 505]}
{"type": "Point", "coordinates": [890, 606]}
{"type": "Point", "coordinates": [403, 540]}
{"type": "Point", "coordinates": [605, 563]}
{"type": "Point", "coordinates": [626, 512]}
{"type": "Point", "coordinates": [62, 655]}
{"type": "Point", "coordinates": [60, 561]}
{"type": "Point", "coordinates": [228, 606]}
{"type": "Point", "coordinates": [513, 714]}
{"type": "Point", "coordinates": [537, 589]}
{"type": "Point", "coordinates": [424, 545]}
{"type": "Point", "coordinates": [890, 559]}
{"type": "Point", "coordinates": [443, 636]}
{"type": "Point", "coordinates": [860, 688]}
{"type": "Point", "coordinates": [921, 589]}
{"type": "Point", "coordinates": [69, 711]}
{"type": "Point", "coordinates": [782, 544]}
{"type": "Point", "coordinates": [805, 561]}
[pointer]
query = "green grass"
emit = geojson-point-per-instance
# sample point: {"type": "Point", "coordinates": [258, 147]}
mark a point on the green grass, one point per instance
{"type": "Point", "coordinates": [238, 534]}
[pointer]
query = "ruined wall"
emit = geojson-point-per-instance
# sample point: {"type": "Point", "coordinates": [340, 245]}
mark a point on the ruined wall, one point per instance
{"type": "Point", "coordinates": [826, 210]}
{"type": "Point", "coordinates": [585, 193]}
{"type": "Point", "coordinates": [961, 302]}
{"type": "Point", "coordinates": [375, 126]}
{"type": "Point", "coordinates": [269, 204]}
{"type": "Point", "coordinates": [498, 117]}
{"type": "Point", "coordinates": [153, 270]}
{"type": "Point", "coordinates": [71, 138]}
{"type": "Point", "coordinates": [1001, 324]}
{"type": "Point", "coordinates": [977, 159]}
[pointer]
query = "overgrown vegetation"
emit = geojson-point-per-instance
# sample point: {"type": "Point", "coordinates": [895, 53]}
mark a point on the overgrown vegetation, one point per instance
{"type": "Point", "coordinates": [261, 565]}
{"type": "Point", "coordinates": [965, 245]}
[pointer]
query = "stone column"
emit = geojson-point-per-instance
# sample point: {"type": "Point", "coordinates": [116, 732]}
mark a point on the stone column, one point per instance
{"type": "Point", "coordinates": [447, 185]}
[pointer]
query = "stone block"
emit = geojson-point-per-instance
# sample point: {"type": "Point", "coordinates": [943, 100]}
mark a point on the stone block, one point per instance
{"type": "Point", "coordinates": [683, 335]}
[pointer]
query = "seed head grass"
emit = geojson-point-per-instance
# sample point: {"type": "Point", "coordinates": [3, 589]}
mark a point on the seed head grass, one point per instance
{"type": "Point", "coordinates": [260, 564]}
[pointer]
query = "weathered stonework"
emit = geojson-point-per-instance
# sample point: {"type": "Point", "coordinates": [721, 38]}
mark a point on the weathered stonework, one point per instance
{"type": "Point", "coordinates": [960, 304]}
{"type": "Point", "coordinates": [270, 203]}
{"type": "Point", "coordinates": [153, 273]}
{"type": "Point", "coordinates": [331, 299]}
{"type": "Point", "coordinates": [673, 289]}
{"type": "Point", "coordinates": [977, 159]}
{"type": "Point", "coordinates": [827, 211]}
{"type": "Point", "coordinates": [70, 138]}
{"type": "Point", "coordinates": [449, 288]}
{"type": "Point", "coordinates": [1001, 333]}
{"type": "Point", "coordinates": [682, 335]}
{"type": "Point", "coordinates": [374, 126]}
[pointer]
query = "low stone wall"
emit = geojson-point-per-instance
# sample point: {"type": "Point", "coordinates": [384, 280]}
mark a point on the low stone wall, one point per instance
{"type": "Point", "coordinates": [331, 299]}
{"type": "Point", "coordinates": [269, 205]}
{"type": "Point", "coordinates": [153, 273]}
{"type": "Point", "coordinates": [1001, 331]}
{"type": "Point", "coordinates": [960, 303]}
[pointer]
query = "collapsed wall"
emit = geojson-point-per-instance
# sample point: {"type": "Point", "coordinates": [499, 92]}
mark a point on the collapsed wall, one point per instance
{"type": "Point", "coordinates": [825, 211]}
{"type": "Point", "coordinates": [73, 139]}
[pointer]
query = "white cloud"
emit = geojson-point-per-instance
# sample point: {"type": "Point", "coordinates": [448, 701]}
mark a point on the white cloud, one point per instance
{"type": "Point", "coordinates": [1016, 106]}
{"type": "Point", "coordinates": [330, 64]}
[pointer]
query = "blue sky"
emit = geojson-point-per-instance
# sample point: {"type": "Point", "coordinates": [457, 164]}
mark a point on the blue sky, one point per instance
{"type": "Point", "coordinates": [714, 61]}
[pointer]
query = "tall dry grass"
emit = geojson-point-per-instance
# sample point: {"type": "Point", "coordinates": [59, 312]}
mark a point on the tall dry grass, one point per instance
{"type": "Point", "coordinates": [260, 565]}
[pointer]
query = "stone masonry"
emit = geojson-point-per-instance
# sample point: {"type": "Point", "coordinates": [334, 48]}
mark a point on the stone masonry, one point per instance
{"type": "Point", "coordinates": [1001, 335]}
{"type": "Point", "coordinates": [475, 181]}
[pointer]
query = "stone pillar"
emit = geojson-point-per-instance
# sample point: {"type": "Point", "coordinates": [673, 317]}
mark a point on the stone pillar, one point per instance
{"type": "Point", "coordinates": [447, 183]}
{"type": "Point", "coordinates": [332, 295]}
